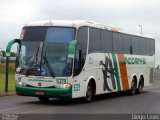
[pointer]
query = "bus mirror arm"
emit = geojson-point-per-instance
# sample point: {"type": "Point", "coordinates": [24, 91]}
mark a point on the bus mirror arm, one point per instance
{"type": "Point", "coordinates": [9, 45]}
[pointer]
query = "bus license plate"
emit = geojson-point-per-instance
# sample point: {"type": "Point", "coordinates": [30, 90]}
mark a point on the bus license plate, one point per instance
{"type": "Point", "coordinates": [39, 93]}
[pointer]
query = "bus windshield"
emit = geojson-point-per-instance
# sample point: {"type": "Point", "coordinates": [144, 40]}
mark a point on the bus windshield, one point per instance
{"type": "Point", "coordinates": [44, 51]}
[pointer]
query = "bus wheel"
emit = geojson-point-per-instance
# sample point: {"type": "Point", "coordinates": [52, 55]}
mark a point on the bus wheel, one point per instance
{"type": "Point", "coordinates": [133, 87]}
{"type": "Point", "coordinates": [89, 93]}
{"type": "Point", "coordinates": [140, 88]}
{"type": "Point", "coordinates": [43, 99]}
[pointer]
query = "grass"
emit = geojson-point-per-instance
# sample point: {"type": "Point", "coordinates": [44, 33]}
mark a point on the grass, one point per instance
{"type": "Point", "coordinates": [11, 79]}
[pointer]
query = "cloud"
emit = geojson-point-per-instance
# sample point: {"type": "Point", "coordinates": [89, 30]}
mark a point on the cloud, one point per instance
{"type": "Point", "coordinates": [126, 14]}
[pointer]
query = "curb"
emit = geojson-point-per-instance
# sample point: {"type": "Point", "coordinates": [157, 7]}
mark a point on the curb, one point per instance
{"type": "Point", "coordinates": [8, 94]}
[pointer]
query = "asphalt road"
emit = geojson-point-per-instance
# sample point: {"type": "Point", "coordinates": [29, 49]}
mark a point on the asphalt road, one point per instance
{"type": "Point", "coordinates": [116, 103]}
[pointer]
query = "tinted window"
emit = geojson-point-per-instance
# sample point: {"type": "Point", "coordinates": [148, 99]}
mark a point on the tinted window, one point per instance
{"type": "Point", "coordinates": [34, 33]}
{"type": "Point", "coordinates": [117, 43]}
{"type": "Point", "coordinates": [135, 44]}
{"type": "Point", "coordinates": [82, 38]}
{"type": "Point", "coordinates": [94, 40]}
{"type": "Point", "coordinates": [152, 47]}
{"type": "Point", "coordinates": [55, 51]}
{"type": "Point", "coordinates": [81, 49]}
{"type": "Point", "coordinates": [60, 34]}
{"type": "Point", "coordinates": [106, 39]}
{"type": "Point", "coordinates": [148, 46]}
{"type": "Point", "coordinates": [127, 46]}
{"type": "Point", "coordinates": [142, 46]}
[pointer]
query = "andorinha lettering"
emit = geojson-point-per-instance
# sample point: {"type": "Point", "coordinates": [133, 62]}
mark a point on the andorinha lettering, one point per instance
{"type": "Point", "coordinates": [130, 60]}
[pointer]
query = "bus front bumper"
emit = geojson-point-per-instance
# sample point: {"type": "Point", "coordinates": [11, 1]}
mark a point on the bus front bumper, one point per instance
{"type": "Point", "coordinates": [47, 92]}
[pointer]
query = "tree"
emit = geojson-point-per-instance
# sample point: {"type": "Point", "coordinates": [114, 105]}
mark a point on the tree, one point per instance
{"type": "Point", "coordinates": [13, 54]}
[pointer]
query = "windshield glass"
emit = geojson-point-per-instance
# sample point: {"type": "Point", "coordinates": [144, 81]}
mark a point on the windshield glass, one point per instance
{"type": "Point", "coordinates": [44, 51]}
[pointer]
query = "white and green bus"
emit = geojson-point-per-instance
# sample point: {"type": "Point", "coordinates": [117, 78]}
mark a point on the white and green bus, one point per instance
{"type": "Point", "coordinates": [81, 59]}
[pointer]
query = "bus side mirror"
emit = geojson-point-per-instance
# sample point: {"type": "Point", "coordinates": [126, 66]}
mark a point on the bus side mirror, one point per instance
{"type": "Point", "coordinates": [9, 46]}
{"type": "Point", "coordinates": [71, 49]}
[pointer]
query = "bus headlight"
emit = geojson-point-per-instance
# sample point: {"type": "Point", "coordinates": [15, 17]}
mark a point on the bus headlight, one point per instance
{"type": "Point", "coordinates": [20, 83]}
{"type": "Point", "coordinates": [64, 86]}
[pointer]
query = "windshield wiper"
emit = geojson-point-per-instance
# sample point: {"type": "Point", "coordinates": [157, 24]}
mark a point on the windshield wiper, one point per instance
{"type": "Point", "coordinates": [49, 67]}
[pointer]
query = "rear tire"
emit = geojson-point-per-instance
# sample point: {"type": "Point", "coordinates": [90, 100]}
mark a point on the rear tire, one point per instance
{"type": "Point", "coordinates": [140, 88]}
{"type": "Point", "coordinates": [89, 93]}
{"type": "Point", "coordinates": [132, 91]}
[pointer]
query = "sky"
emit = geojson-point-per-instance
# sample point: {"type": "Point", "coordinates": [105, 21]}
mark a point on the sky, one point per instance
{"type": "Point", "coordinates": [125, 14]}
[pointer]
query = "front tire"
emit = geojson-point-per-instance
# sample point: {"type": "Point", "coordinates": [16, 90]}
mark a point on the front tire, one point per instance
{"type": "Point", "coordinates": [89, 93]}
{"type": "Point", "coordinates": [133, 87]}
{"type": "Point", "coordinates": [43, 99]}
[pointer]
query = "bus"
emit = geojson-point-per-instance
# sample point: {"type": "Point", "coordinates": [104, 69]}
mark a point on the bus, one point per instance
{"type": "Point", "coordinates": [81, 59]}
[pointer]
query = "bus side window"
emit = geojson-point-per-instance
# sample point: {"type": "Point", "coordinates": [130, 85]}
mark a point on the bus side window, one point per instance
{"type": "Point", "coordinates": [78, 62]}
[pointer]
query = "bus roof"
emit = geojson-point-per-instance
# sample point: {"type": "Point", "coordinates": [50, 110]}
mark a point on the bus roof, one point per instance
{"type": "Point", "coordinates": [80, 23]}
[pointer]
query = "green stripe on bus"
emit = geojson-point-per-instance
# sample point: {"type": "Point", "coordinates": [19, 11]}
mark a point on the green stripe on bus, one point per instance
{"type": "Point", "coordinates": [116, 72]}
{"type": "Point", "coordinates": [71, 50]}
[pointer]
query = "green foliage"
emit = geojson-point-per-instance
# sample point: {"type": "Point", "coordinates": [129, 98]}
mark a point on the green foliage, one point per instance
{"type": "Point", "coordinates": [13, 54]}
{"type": "Point", "coordinates": [11, 86]}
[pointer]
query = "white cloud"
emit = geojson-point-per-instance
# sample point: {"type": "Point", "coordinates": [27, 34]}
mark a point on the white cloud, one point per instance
{"type": "Point", "coordinates": [16, 11]}
{"type": "Point", "coordinates": [126, 14]}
